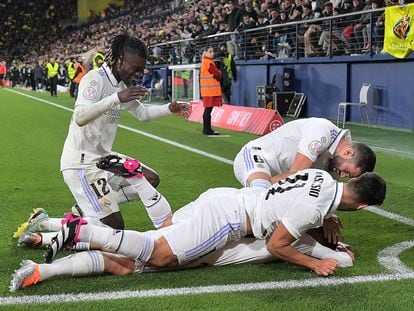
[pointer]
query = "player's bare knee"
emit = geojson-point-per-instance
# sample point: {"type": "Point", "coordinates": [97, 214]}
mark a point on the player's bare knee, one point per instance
{"type": "Point", "coordinates": [152, 177]}
{"type": "Point", "coordinates": [258, 175]}
{"type": "Point", "coordinates": [167, 222]}
{"type": "Point", "coordinates": [118, 265]}
{"type": "Point", "coordinates": [162, 255]}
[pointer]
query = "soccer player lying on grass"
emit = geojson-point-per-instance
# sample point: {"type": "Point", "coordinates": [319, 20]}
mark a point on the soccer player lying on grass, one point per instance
{"type": "Point", "coordinates": [246, 250]}
{"type": "Point", "coordinates": [281, 215]}
{"type": "Point", "coordinates": [301, 144]}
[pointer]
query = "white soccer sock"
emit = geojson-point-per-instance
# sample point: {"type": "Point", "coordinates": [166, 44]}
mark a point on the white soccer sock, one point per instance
{"type": "Point", "coordinates": [47, 237]}
{"type": "Point", "coordinates": [155, 203]}
{"type": "Point", "coordinates": [309, 246]}
{"type": "Point", "coordinates": [133, 244]}
{"type": "Point", "coordinates": [52, 224]}
{"type": "Point", "coordinates": [260, 183]}
{"type": "Point", "coordinates": [78, 264]}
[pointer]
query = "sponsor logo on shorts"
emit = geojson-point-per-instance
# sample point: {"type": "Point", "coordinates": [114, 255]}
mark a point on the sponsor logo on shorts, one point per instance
{"type": "Point", "coordinates": [94, 83]}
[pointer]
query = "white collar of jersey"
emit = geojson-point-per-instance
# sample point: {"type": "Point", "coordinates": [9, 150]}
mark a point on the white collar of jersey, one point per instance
{"type": "Point", "coordinates": [337, 199]}
{"type": "Point", "coordinates": [338, 138]}
{"type": "Point", "coordinates": [110, 75]}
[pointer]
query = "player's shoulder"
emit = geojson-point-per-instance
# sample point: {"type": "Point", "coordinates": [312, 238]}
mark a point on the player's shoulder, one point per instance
{"type": "Point", "coordinates": [94, 78]}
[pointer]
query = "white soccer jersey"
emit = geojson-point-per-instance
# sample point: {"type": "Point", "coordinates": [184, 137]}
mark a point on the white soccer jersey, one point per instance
{"type": "Point", "coordinates": [275, 152]}
{"type": "Point", "coordinates": [301, 202]}
{"type": "Point", "coordinates": [98, 109]}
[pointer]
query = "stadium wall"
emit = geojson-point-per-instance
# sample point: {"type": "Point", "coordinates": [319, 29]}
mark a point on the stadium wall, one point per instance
{"type": "Point", "coordinates": [328, 81]}
{"type": "Point", "coordinates": [339, 79]}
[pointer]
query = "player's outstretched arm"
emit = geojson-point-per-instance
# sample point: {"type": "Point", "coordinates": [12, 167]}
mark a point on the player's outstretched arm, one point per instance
{"type": "Point", "coordinates": [181, 109]}
{"type": "Point", "coordinates": [279, 246]}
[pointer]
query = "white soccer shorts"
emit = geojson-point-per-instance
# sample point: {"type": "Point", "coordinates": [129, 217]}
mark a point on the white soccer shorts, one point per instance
{"type": "Point", "coordinates": [248, 161]}
{"type": "Point", "coordinates": [218, 217]}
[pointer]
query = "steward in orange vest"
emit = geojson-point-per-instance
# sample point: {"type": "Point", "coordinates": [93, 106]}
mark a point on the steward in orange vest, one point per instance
{"type": "Point", "coordinates": [210, 89]}
{"type": "Point", "coordinates": [80, 72]}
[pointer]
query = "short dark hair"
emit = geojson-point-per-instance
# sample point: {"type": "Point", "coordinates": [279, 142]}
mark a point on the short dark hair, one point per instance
{"type": "Point", "coordinates": [369, 188]}
{"type": "Point", "coordinates": [364, 157]}
{"type": "Point", "coordinates": [123, 44]}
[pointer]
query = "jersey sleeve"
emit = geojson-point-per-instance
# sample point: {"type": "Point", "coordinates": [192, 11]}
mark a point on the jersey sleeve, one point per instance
{"type": "Point", "coordinates": [301, 220]}
{"type": "Point", "coordinates": [89, 104]}
{"type": "Point", "coordinates": [315, 139]}
{"type": "Point", "coordinates": [145, 113]}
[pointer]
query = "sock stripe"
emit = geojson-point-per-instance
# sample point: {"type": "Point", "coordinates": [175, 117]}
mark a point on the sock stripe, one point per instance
{"type": "Point", "coordinates": [146, 249]}
{"type": "Point", "coordinates": [120, 240]}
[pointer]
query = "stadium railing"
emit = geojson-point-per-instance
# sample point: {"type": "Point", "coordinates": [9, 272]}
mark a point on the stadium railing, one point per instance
{"type": "Point", "coordinates": [263, 43]}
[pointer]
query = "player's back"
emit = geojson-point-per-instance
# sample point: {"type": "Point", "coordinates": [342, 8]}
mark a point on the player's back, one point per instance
{"type": "Point", "coordinates": [309, 136]}
{"type": "Point", "coordinates": [300, 201]}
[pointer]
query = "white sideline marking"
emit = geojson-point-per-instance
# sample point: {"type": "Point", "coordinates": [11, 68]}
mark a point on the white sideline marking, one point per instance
{"type": "Point", "coordinates": [185, 291]}
{"type": "Point", "coordinates": [389, 215]}
{"type": "Point", "coordinates": [387, 257]}
{"type": "Point", "coordinates": [394, 151]}
{"type": "Point", "coordinates": [164, 140]}
{"type": "Point", "coordinates": [40, 100]}
{"type": "Point", "coordinates": [185, 147]}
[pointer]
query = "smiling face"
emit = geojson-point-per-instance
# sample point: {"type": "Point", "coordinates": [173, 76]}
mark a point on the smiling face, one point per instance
{"type": "Point", "coordinates": [129, 67]}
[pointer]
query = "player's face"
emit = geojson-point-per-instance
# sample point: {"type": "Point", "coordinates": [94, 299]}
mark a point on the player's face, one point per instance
{"type": "Point", "coordinates": [344, 167]}
{"type": "Point", "coordinates": [130, 67]}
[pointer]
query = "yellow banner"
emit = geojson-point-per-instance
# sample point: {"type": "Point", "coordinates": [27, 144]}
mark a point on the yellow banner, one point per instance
{"type": "Point", "coordinates": [399, 30]}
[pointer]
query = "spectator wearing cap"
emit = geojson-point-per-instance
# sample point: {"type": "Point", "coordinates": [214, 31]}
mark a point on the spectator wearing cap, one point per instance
{"type": "Point", "coordinates": [207, 28]}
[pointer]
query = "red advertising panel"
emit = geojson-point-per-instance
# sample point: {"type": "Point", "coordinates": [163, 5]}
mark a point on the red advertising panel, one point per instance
{"type": "Point", "coordinates": [258, 121]}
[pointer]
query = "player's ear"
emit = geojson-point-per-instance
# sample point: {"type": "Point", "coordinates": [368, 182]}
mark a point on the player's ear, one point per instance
{"type": "Point", "coordinates": [348, 152]}
{"type": "Point", "coordinates": [361, 206]}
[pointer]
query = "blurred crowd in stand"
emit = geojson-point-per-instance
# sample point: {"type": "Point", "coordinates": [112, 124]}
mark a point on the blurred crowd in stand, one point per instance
{"type": "Point", "coordinates": [34, 31]}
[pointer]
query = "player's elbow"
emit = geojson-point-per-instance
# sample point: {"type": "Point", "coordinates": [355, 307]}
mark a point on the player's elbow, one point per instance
{"type": "Point", "coordinates": [80, 121]}
{"type": "Point", "coordinates": [274, 250]}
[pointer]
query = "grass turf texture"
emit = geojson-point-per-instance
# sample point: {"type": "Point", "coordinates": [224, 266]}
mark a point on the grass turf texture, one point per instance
{"type": "Point", "coordinates": [32, 138]}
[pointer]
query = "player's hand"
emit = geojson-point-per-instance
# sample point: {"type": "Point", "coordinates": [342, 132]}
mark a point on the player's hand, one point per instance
{"type": "Point", "coordinates": [181, 109]}
{"type": "Point", "coordinates": [132, 93]}
{"type": "Point", "coordinates": [332, 229]}
{"type": "Point", "coordinates": [325, 267]}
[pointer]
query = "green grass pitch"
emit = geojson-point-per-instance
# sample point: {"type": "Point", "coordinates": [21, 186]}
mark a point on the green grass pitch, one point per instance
{"type": "Point", "coordinates": [32, 136]}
